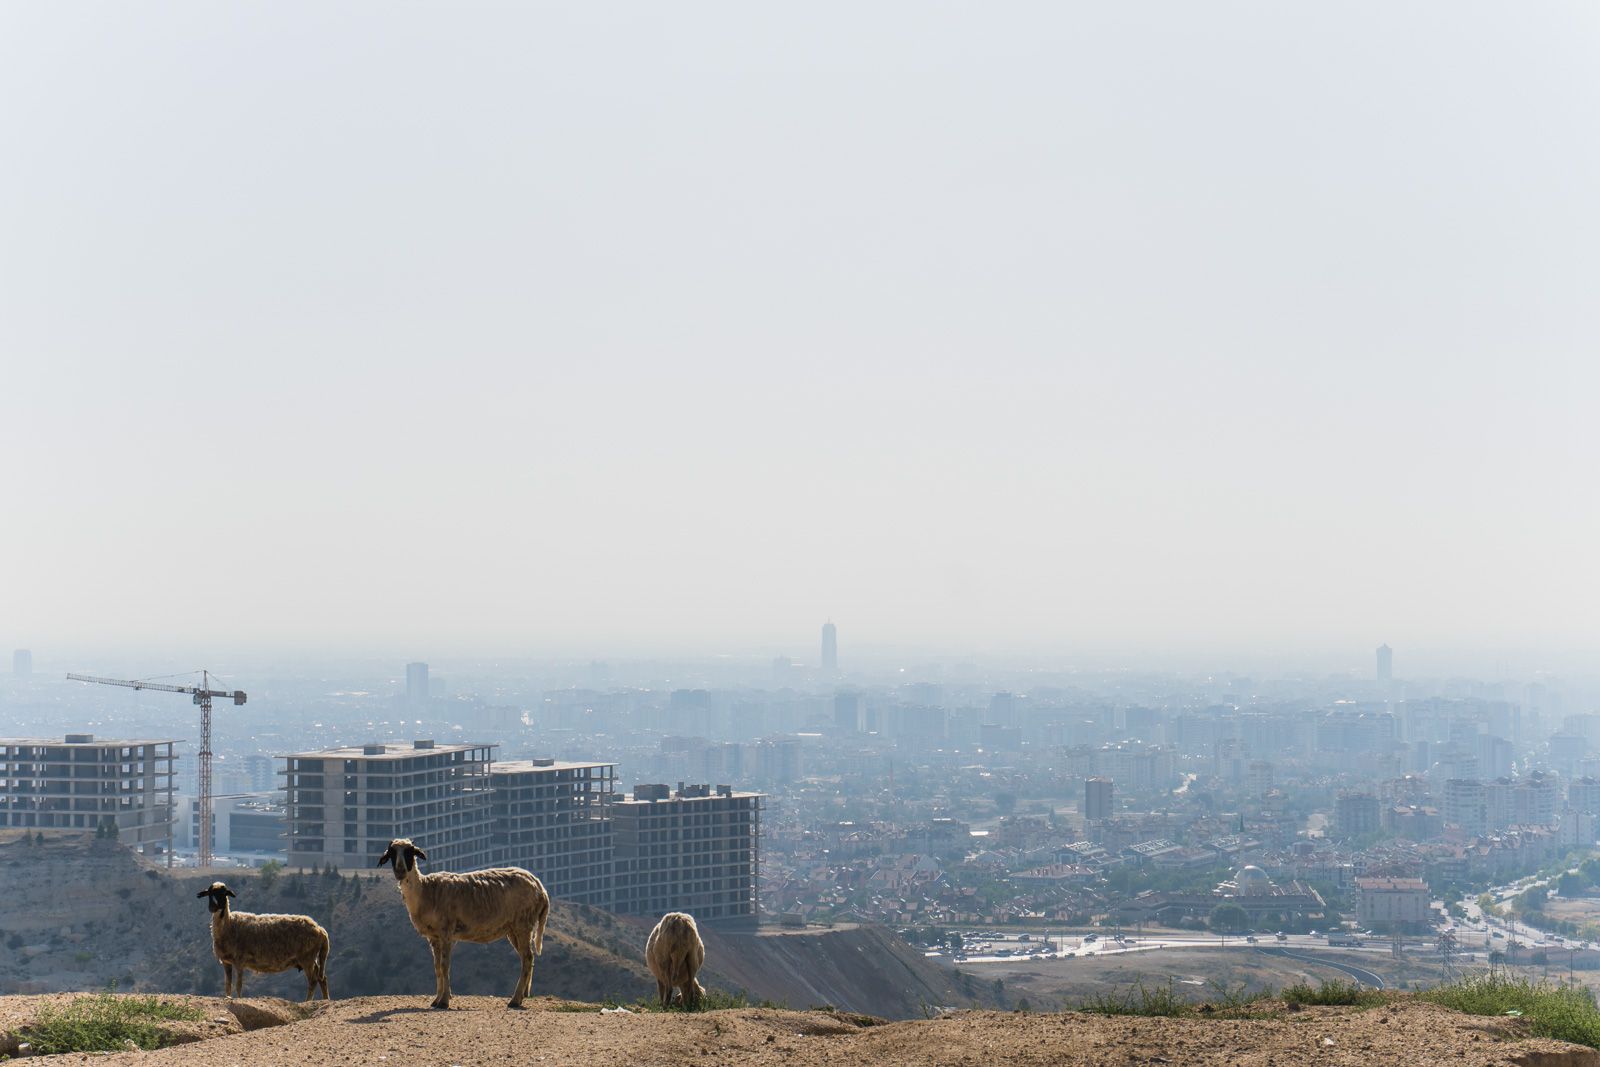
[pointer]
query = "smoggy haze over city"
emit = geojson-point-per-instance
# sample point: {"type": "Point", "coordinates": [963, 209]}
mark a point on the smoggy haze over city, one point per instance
{"type": "Point", "coordinates": [1217, 334]}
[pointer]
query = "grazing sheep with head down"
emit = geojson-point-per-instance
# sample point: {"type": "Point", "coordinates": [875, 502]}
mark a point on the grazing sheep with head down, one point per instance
{"type": "Point", "coordinates": [480, 906]}
{"type": "Point", "coordinates": [265, 943]}
{"type": "Point", "coordinates": [675, 954]}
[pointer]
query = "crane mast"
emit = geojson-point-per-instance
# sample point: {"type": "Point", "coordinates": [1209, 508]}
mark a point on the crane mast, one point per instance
{"type": "Point", "coordinates": [202, 696]}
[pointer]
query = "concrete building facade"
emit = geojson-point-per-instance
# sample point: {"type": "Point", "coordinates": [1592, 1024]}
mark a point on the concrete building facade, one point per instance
{"type": "Point", "coordinates": [554, 819]}
{"type": "Point", "coordinates": [694, 850]}
{"type": "Point", "coordinates": [344, 805]}
{"type": "Point", "coordinates": [79, 783]}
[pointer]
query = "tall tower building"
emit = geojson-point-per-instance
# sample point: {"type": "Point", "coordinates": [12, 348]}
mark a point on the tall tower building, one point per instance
{"type": "Point", "coordinates": [22, 663]}
{"type": "Point", "coordinates": [416, 684]}
{"type": "Point", "coordinates": [1385, 663]}
{"type": "Point", "coordinates": [830, 648]}
{"type": "Point", "coordinates": [1097, 799]}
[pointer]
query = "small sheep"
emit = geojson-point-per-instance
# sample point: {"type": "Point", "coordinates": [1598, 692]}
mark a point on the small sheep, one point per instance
{"type": "Point", "coordinates": [265, 943]}
{"type": "Point", "coordinates": [480, 906]}
{"type": "Point", "coordinates": [675, 954]}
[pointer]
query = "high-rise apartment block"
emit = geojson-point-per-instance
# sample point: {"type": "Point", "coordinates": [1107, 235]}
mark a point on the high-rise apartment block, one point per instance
{"type": "Point", "coordinates": [1385, 663]}
{"type": "Point", "coordinates": [81, 784]}
{"type": "Point", "coordinates": [830, 648]}
{"type": "Point", "coordinates": [695, 850]}
{"type": "Point", "coordinates": [416, 685]}
{"type": "Point", "coordinates": [847, 712]}
{"type": "Point", "coordinates": [1097, 799]}
{"type": "Point", "coordinates": [1355, 814]}
{"type": "Point", "coordinates": [345, 804]}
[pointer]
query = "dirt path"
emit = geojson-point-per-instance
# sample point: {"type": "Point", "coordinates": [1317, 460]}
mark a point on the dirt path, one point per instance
{"type": "Point", "coordinates": [479, 1031]}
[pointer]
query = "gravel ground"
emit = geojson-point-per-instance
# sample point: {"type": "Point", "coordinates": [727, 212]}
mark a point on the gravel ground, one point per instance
{"type": "Point", "coordinates": [402, 1032]}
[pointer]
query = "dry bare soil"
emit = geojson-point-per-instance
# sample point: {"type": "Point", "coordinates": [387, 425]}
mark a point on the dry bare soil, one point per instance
{"type": "Point", "coordinates": [396, 1031]}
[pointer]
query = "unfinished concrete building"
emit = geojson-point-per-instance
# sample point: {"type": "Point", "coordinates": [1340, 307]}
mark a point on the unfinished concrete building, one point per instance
{"type": "Point", "coordinates": [82, 784]}
{"type": "Point", "coordinates": [693, 850]}
{"type": "Point", "coordinates": [554, 819]}
{"type": "Point", "coordinates": [344, 805]}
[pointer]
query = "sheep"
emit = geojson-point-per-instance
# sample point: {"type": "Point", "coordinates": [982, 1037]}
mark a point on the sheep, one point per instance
{"type": "Point", "coordinates": [675, 954]}
{"type": "Point", "coordinates": [265, 943]}
{"type": "Point", "coordinates": [481, 906]}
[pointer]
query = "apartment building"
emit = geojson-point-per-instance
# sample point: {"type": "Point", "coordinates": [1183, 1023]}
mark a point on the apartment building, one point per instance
{"type": "Point", "coordinates": [80, 784]}
{"type": "Point", "coordinates": [693, 850]}
{"type": "Point", "coordinates": [344, 805]}
{"type": "Point", "coordinates": [554, 819]}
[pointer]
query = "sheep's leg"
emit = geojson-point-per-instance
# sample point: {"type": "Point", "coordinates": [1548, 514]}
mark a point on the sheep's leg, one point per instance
{"type": "Point", "coordinates": [664, 991]}
{"type": "Point", "coordinates": [522, 941]}
{"type": "Point", "coordinates": [691, 994]}
{"type": "Point", "coordinates": [441, 971]}
{"type": "Point", "coordinates": [227, 980]}
{"type": "Point", "coordinates": [311, 981]}
{"type": "Point", "coordinates": [238, 979]}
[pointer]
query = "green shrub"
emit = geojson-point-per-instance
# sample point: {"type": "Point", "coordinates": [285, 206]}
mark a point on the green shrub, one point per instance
{"type": "Point", "coordinates": [106, 1023]}
{"type": "Point", "coordinates": [1565, 1013]}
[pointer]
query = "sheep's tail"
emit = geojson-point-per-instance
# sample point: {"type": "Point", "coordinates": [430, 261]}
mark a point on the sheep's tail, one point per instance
{"type": "Point", "coordinates": [538, 925]}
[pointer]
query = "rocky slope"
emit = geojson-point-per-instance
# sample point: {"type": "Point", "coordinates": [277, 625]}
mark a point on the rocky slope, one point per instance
{"type": "Point", "coordinates": [84, 914]}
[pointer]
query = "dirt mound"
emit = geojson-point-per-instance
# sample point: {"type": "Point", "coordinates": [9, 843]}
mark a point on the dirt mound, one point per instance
{"type": "Point", "coordinates": [479, 1032]}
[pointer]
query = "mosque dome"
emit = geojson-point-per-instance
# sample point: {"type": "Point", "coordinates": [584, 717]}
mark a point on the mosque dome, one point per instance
{"type": "Point", "coordinates": [1252, 881]}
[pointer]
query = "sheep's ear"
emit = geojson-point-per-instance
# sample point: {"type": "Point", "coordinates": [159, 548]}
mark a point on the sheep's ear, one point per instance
{"type": "Point", "coordinates": [417, 852]}
{"type": "Point", "coordinates": [203, 893]}
{"type": "Point", "coordinates": [230, 892]}
{"type": "Point", "coordinates": [388, 854]}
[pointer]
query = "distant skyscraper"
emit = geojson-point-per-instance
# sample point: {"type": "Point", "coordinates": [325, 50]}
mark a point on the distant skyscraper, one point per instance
{"type": "Point", "coordinates": [22, 663]}
{"type": "Point", "coordinates": [1097, 799]}
{"type": "Point", "coordinates": [416, 684]}
{"type": "Point", "coordinates": [830, 647]}
{"type": "Point", "coordinates": [1385, 663]}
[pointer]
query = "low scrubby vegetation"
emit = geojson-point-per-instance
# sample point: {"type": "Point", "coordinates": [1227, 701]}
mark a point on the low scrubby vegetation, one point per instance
{"type": "Point", "coordinates": [105, 1022]}
{"type": "Point", "coordinates": [1565, 1013]}
{"type": "Point", "coordinates": [1335, 993]}
{"type": "Point", "coordinates": [1166, 1002]}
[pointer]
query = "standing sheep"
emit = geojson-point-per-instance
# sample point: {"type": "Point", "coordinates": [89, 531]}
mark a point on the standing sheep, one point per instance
{"type": "Point", "coordinates": [266, 944]}
{"type": "Point", "coordinates": [675, 954]}
{"type": "Point", "coordinates": [482, 906]}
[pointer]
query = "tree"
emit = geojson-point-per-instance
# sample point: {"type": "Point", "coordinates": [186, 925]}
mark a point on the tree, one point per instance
{"type": "Point", "coordinates": [1226, 917]}
{"type": "Point", "coordinates": [269, 872]}
{"type": "Point", "coordinates": [1005, 803]}
{"type": "Point", "coordinates": [1572, 883]}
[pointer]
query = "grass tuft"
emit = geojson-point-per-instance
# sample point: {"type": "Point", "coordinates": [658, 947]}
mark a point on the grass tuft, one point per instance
{"type": "Point", "coordinates": [1565, 1013]}
{"type": "Point", "coordinates": [106, 1023]}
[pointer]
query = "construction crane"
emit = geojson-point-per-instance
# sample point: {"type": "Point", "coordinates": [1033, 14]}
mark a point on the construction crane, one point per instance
{"type": "Point", "coordinates": [202, 694]}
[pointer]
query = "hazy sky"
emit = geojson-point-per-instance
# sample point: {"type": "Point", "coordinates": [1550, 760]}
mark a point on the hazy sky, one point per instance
{"type": "Point", "coordinates": [683, 327]}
